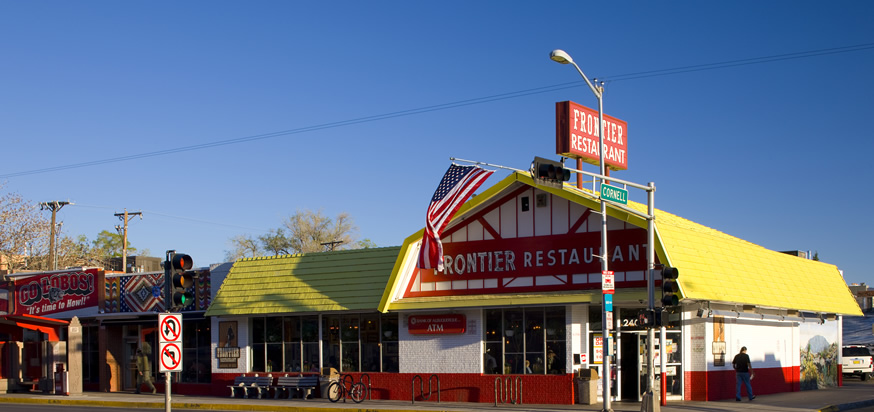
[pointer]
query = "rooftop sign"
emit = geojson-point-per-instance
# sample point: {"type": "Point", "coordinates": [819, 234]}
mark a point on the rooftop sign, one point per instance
{"type": "Point", "coordinates": [576, 135]}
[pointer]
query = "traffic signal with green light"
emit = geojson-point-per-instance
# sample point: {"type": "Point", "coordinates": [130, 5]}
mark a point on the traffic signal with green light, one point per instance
{"type": "Point", "coordinates": [178, 278]}
{"type": "Point", "coordinates": [670, 286]}
{"type": "Point", "coordinates": [549, 172]}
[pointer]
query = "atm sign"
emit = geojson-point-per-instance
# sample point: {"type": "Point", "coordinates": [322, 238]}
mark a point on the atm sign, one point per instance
{"type": "Point", "coordinates": [436, 324]}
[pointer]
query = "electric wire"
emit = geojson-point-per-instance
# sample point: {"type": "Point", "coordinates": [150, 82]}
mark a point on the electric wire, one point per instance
{"type": "Point", "coordinates": [450, 105]}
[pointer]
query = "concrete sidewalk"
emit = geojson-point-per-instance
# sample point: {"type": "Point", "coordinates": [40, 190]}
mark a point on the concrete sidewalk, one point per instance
{"type": "Point", "coordinates": [851, 396]}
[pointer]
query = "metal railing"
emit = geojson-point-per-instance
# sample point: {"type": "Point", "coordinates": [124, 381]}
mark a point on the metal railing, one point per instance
{"type": "Point", "coordinates": [431, 379]}
{"type": "Point", "coordinates": [509, 388]}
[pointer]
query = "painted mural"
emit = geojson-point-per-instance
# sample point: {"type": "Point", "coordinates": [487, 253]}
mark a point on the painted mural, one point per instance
{"type": "Point", "coordinates": [819, 355]}
{"type": "Point", "coordinates": [145, 293]}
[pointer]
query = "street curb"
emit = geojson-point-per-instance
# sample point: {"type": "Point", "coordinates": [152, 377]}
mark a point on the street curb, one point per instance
{"type": "Point", "coordinates": [183, 405]}
{"type": "Point", "coordinates": [848, 406]}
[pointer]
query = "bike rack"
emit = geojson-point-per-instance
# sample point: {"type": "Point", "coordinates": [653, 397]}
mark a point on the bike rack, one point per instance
{"type": "Point", "coordinates": [510, 389]}
{"type": "Point", "coordinates": [422, 387]}
{"type": "Point", "coordinates": [368, 386]}
{"type": "Point", "coordinates": [347, 387]}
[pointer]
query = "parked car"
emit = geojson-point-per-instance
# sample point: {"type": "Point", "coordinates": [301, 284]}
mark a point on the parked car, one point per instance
{"type": "Point", "coordinates": [858, 361]}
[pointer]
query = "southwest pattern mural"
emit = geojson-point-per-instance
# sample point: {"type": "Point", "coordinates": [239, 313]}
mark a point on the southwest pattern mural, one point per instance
{"type": "Point", "coordinates": [145, 293]}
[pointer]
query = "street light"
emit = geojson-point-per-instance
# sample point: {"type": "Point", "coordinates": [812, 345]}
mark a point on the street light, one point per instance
{"type": "Point", "coordinates": [562, 57]}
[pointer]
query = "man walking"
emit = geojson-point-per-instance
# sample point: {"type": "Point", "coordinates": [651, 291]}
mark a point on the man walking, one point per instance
{"type": "Point", "coordinates": [744, 372]}
{"type": "Point", "coordinates": [144, 371]}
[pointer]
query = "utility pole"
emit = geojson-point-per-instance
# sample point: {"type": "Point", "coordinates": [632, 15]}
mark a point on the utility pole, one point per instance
{"type": "Point", "coordinates": [125, 217]}
{"type": "Point", "coordinates": [54, 206]}
{"type": "Point", "coordinates": [331, 244]}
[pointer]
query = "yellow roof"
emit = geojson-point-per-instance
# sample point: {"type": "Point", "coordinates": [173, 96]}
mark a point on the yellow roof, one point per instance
{"type": "Point", "coordinates": [713, 266]}
{"type": "Point", "coordinates": [313, 282]}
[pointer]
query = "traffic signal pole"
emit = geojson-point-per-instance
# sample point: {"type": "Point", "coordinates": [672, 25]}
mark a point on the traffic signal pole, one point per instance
{"type": "Point", "coordinates": [168, 270]}
{"type": "Point", "coordinates": [649, 402]}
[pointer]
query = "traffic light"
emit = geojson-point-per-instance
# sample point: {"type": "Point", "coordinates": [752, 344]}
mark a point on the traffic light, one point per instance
{"type": "Point", "coordinates": [177, 279]}
{"type": "Point", "coordinates": [549, 172]}
{"type": "Point", "coordinates": [670, 286]}
{"type": "Point", "coordinates": [645, 318]}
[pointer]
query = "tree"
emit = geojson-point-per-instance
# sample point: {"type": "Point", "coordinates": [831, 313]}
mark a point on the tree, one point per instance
{"type": "Point", "coordinates": [308, 231]}
{"type": "Point", "coordinates": [243, 246]}
{"type": "Point", "coordinates": [79, 252]}
{"type": "Point", "coordinates": [366, 244]}
{"type": "Point", "coordinates": [24, 234]}
{"type": "Point", "coordinates": [303, 232]}
{"type": "Point", "coordinates": [108, 244]}
{"type": "Point", "coordinates": [276, 242]}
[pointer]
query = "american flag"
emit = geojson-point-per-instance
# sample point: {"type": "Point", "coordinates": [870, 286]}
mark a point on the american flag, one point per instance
{"type": "Point", "coordinates": [457, 185]}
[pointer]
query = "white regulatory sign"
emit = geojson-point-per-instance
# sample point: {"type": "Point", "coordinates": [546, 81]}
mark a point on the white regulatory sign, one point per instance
{"type": "Point", "coordinates": [607, 285]}
{"type": "Point", "coordinates": [170, 357]}
{"type": "Point", "coordinates": [170, 327]}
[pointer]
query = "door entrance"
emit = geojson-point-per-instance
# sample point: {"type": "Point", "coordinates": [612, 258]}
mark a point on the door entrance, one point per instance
{"type": "Point", "coordinates": [632, 361]}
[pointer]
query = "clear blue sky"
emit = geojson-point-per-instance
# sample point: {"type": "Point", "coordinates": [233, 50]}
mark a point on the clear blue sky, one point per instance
{"type": "Point", "coordinates": [776, 153]}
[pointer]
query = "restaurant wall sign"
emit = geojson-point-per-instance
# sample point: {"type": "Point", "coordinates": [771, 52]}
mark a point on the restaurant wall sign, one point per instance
{"type": "Point", "coordinates": [56, 292]}
{"type": "Point", "coordinates": [534, 264]}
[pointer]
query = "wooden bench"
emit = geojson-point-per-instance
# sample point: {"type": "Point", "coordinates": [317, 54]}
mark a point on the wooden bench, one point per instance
{"type": "Point", "coordinates": [303, 385]}
{"type": "Point", "coordinates": [259, 384]}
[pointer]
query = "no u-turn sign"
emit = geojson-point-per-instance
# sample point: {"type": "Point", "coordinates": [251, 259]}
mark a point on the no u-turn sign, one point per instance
{"type": "Point", "coordinates": [170, 342]}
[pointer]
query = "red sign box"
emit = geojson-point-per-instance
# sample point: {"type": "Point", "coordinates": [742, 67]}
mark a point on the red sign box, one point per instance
{"type": "Point", "coordinates": [576, 135]}
{"type": "Point", "coordinates": [56, 292]}
{"type": "Point", "coordinates": [436, 324]}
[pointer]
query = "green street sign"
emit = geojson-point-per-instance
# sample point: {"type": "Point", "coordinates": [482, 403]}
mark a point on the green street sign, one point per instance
{"type": "Point", "coordinates": [614, 194]}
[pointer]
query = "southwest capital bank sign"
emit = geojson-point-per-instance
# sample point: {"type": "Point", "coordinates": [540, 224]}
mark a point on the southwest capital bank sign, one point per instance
{"type": "Point", "coordinates": [533, 264]}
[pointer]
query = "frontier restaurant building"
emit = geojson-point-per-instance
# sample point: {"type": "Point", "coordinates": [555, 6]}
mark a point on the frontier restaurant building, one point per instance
{"type": "Point", "coordinates": [517, 309]}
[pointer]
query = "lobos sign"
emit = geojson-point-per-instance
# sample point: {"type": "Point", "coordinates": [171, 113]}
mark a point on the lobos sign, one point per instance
{"type": "Point", "coordinates": [56, 292]}
{"type": "Point", "coordinates": [436, 324]}
{"type": "Point", "coordinates": [576, 135]}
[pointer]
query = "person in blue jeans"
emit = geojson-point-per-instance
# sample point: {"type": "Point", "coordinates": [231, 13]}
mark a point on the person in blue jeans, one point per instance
{"type": "Point", "coordinates": [744, 372]}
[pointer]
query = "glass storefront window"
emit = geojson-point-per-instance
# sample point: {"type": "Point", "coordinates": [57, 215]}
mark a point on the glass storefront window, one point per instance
{"type": "Point", "coordinates": [524, 342]}
{"type": "Point", "coordinates": [350, 343]}
{"type": "Point", "coordinates": [309, 327]}
{"type": "Point", "coordinates": [349, 339]}
{"type": "Point", "coordinates": [390, 355]}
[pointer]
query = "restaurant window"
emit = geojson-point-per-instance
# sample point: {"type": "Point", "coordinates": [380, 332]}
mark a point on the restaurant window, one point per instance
{"type": "Point", "coordinates": [349, 339]}
{"type": "Point", "coordinates": [390, 357]}
{"type": "Point", "coordinates": [370, 356]}
{"type": "Point", "coordinates": [258, 349]}
{"type": "Point", "coordinates": [309, 335]}
{"type": "Point", "coordinates": [529, 341]}
{"type": "Point", "coordinates": [350, 343]}
{"type": "Point", "coordinates": [292, 342]}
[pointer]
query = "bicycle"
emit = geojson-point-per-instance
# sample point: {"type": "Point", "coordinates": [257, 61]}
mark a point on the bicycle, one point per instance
{"type": "Point", "coordinates": [337, 390]}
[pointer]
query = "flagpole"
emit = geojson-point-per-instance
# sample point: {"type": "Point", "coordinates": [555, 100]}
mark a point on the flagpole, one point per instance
{"type": "Point", "coordinates": [454, 159]}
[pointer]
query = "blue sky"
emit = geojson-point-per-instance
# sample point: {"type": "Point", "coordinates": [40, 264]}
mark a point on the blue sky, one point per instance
{"type": "Point", "coordinates": [775, 152]}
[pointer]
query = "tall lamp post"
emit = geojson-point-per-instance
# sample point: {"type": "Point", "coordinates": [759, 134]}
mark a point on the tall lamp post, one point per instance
{"type": "Point", "coordinates": [562, 57]}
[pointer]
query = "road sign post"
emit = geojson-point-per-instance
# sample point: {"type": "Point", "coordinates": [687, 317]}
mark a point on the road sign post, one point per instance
{"type": "Point", "coordinates": [169, 349]}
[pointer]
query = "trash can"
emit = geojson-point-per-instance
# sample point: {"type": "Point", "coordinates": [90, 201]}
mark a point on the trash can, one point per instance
{"type": "Point", "coordinates": [587, 386]}
{"type": "Point", "coordinates": [61, 385]}
{"type": "Point", "coordinates": [328, 375]}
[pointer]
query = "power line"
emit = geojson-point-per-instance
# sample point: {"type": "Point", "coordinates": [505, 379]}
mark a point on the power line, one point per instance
{"type": "Point", "coordinates": [451, 105]}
